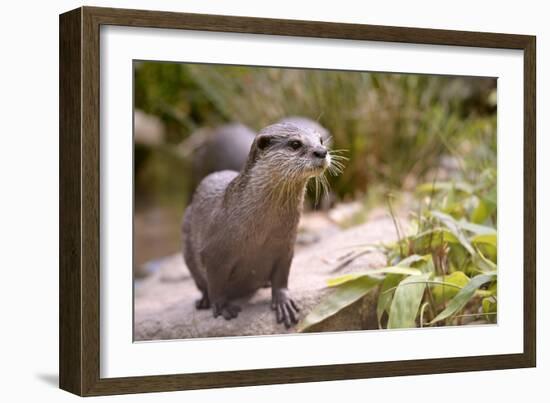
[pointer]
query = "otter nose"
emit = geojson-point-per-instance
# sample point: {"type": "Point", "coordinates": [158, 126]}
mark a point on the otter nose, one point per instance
{"type": "Point", "coordinates": [320, 152]}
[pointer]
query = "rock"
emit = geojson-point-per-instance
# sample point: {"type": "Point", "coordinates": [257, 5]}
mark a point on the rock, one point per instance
{"type": "Point", "coordinates": [313, 227]}
{"type": "Point", "coordinates": [345, 211]}
{"type": "Point", "coordinates": [164, 304]}
{"type": "Point", "coordinates": [148, 129]}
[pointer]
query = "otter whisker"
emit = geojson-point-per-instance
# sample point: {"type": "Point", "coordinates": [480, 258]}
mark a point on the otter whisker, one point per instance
{"type": "Point", "coordinates": [336, 161]}
{"type": "Point", "coordinates": [339, 157]}
{"type": "Point", "coordinates": [325, 184]}
{"type": "Point", "coordinates": [317, 191]}
{"type": "Point", "coordinates": [332, 172]}
{"type": "Point", "coordinates": [335, 168]}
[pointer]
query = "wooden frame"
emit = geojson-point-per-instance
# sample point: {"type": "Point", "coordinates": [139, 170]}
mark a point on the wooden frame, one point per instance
{"type": "Point", "coordinates": [79, 200]}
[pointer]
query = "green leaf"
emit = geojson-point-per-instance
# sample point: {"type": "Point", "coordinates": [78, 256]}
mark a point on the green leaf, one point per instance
{"type": "Point", "coordinates": [427, 240]}
{"type": "Point", "coordinates": [442, 293]}
{"type": "Point", "coordinates": [484, 264]}
{"type": "Point", "coordinates": [490, 239]}
{"type": "Point", "coordinates": [406, 301]}
{"type": "Point", "coordinates": [476, 228]}
{"type": "Point", "coordinates": [342, 296]}
{"type": "Point", "coordinates": [414, 261]}
{"type": "Point", "coordinates": [481, 212]}
{"type": "Point", "coordinates": [458, 258]}
{"type": "Point", "coordinates": [333, 282]}
{"type": "Point", "coordinates": [451, 223]}
{"type": "Point", "coordinates": [486, 246]}
{"type": "Point", "coordinates": [424, 263]}
{"type": "Point", "coordinates": [422, 309]}
{"type": "Point", "coordinates": [385, 297]}
{"type": "Point", "coordinates": [493, 288]}
{"type": "Point", "coordinates": [489, 306]}
{"type": "Point", "coordinates": [444, 186]}
{"type": "Point", "coordinates": [455, 229]}
{"type": "Point", "coordinates": [450, 199]}
{"type": "Point", "coordinates": [461, 299]}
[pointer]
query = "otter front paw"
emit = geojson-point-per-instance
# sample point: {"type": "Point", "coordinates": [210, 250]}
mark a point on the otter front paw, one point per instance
{"type": "Point", "coordinates": [227, 310]}
{"type": "Point", "coordinates": [285, 308]}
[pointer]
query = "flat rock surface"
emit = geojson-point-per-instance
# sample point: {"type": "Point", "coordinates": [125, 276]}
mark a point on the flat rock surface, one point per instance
{"type": "Point", "coordinates": [164, 301]}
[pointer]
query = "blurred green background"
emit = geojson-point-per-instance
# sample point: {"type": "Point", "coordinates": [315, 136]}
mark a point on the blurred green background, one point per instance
{"type": "Point", "coordinates": [399, 130]}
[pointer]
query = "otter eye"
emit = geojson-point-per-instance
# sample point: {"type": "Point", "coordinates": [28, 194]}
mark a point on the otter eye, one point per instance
{"type": "Point", "coordinates": [321, 140]}
{"type": "Point", "coordinates": [295, 144]}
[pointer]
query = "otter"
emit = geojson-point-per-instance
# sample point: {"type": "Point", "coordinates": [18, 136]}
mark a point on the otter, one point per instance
{"type": "Point", "coordinates": [223, 147]}
{"type": "Point", "coordinates": [240, 228]}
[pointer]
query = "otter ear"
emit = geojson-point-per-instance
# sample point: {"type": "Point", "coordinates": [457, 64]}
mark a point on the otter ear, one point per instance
{"type": "Point", "coordinates": [263, 142]}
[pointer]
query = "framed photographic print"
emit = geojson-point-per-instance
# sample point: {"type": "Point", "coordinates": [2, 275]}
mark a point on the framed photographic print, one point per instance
{"type": "Point", "coordinates": [249, 201]}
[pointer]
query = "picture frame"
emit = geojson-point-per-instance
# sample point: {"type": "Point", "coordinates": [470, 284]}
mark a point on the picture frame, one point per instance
{"type": "Point", "coordinates": [80, 200]}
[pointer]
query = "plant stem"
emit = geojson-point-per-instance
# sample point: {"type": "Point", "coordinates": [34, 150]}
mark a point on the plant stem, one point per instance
{"type": "Point", "coordinates": [394, 219]}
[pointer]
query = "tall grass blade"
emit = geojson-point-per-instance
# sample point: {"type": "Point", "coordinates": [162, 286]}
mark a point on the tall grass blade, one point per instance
{"type": "Point", "coordinates": [463, 296]}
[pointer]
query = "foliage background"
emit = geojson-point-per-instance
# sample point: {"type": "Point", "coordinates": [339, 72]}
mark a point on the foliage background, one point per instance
{"type": "Point", "coordinates": [399, 129]}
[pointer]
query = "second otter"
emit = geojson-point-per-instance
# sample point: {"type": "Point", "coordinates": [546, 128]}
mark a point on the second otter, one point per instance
{"type": "Point", "coordinates": [240, 229]}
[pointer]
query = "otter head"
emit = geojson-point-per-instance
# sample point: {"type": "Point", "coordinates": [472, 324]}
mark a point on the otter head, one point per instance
{"type": "Point", "coordinates": [289, 151]}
